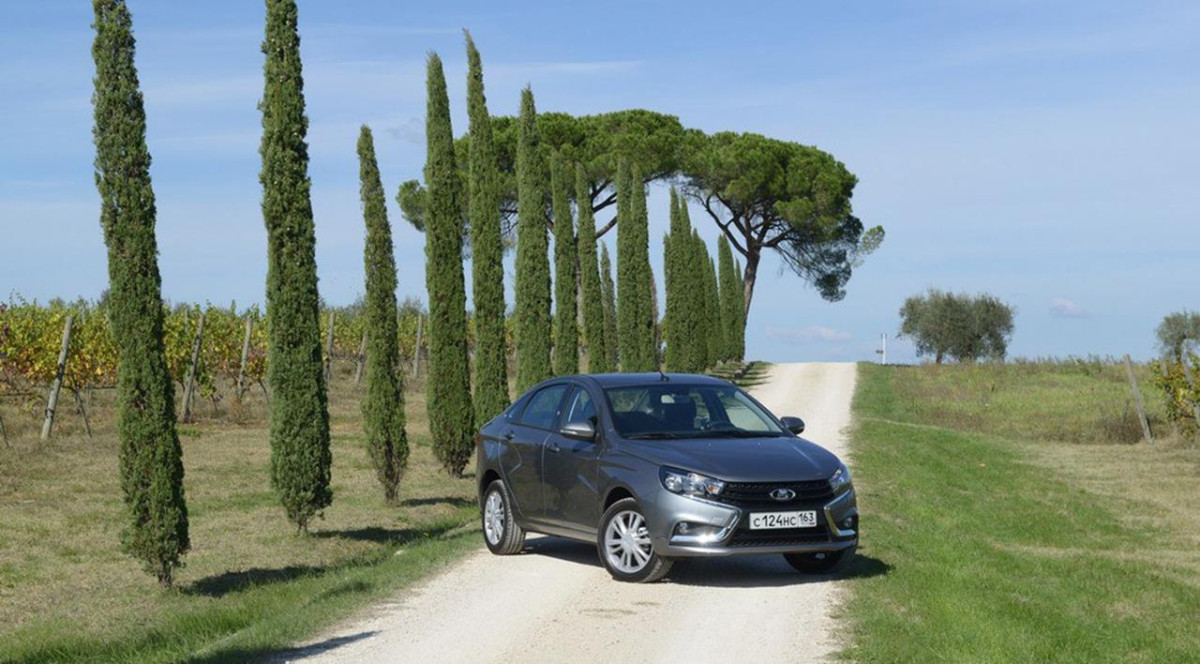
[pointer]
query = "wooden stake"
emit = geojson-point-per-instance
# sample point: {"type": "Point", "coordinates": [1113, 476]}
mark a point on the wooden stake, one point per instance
{"type": "Point", "coordinates": [1137, 400]}
{"type": "Point", "coordinates": [189, 387]}
{"type": "Point", "coordinates": [82, 408]}
{"type": "Point", "coordinates": [3, 433]}
{"type": "Point", "coordinates": [416, 369]}
{"type": "Point", "coordinates": [241, 377]}
{"type": "Point", "coordinates": [56, 386]}
{"type": "Point", "coordinates": [329, 348]}
{"type": "Point", "coordinates": [360, 360]}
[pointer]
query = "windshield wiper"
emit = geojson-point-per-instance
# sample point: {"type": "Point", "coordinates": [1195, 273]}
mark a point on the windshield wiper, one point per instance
{"type": "Point", "coordinates": [654, 435]}
{"type": "Point", "coordinates": [736, 433]}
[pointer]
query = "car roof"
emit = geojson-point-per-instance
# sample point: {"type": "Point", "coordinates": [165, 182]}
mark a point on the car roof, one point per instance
{"type": "Point", "coordinates": [637, 379]}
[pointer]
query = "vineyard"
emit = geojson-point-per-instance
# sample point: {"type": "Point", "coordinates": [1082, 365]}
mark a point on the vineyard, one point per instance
{"type": "Point", "coordinates": [31, 337]}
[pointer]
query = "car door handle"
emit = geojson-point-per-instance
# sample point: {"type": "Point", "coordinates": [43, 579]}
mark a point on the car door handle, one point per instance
{"type": "Point", "coordinates": [509, 435]}
{"type": "Point", "coordinates": [554, 448]}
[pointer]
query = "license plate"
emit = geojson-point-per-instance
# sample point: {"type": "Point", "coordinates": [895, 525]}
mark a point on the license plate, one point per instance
{"type": "Point", "coordinates": [773, 520]}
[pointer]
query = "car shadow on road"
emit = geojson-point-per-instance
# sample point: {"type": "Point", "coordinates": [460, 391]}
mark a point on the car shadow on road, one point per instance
{"type": "Point", "coordinates": [753, 571]}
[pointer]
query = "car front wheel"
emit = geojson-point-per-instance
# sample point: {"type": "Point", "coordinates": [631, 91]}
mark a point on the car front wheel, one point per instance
{"type": "Point", "coordinates": [625, 547]}
{"type": "Point", "coordinates": [500, 530]}
{"type": "Point", "coordinates": [818, 563]}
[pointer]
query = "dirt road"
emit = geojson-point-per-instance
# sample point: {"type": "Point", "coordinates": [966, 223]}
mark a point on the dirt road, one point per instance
{"type": "Point", "coordinates": [555, 603]}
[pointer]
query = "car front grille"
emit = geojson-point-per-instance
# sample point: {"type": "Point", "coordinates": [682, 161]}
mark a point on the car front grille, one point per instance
{"type": "Point", "coordinates": [743, 538]}
{"type": "Point", "coordinates": [758, 494]}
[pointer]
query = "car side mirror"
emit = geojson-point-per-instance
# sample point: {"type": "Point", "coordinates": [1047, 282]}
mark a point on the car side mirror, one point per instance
{"type": "Point", "coordinates": [793, 424]}
{"type": "Point", "coordinates": [579, 430]}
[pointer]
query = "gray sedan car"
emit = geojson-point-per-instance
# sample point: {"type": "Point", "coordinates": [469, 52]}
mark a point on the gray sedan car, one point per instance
{"type": "Point", "coordinates": [653, 468]}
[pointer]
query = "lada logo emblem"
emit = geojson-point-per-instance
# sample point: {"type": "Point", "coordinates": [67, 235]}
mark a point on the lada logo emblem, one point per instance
{"type": "Point", "coordinates": [783, 495]}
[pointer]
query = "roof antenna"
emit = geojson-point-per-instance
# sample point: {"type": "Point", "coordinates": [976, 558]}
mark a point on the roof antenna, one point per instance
{"type": "Point", "coordinates": [662, 376]}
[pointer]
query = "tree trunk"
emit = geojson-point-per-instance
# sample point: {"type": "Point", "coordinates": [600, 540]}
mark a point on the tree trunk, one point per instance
{"type": "Point", "coordinates": [750, 274]}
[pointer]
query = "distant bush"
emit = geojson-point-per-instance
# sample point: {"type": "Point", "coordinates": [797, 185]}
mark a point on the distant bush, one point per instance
{"type": "Point", "coordinates": [1175, 330]}
{"type": "Point", "coordinates": [1178, 395]}
{"type": "Point", "coordinates": [959, 326]}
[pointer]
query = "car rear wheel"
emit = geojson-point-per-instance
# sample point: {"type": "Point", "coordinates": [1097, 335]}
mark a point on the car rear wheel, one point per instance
{"type": "Point", "coordinates": [625, 547]}
{"type": "Point", "coordinates": [500, 531]}
{"type": "Point", "coordinates": [822, 562]}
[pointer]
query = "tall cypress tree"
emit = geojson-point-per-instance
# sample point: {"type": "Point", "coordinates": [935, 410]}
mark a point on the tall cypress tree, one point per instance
{"type": "Point", "coordinates": [716, 343]}
{"type": "Point", "coordinates": [612, 339]}
{"type": "Point", "coordinates": [634, 280]}
{"type": "Point", "coordinates": [566, 334]}
{"type": "Point", "coordinates": [487, 268]}
{"type": "Point", "coordinates": [701, 305]}
{"type": "Point", "coordinates": [589, 278]}
{"type": "Point", "coordinates": [533, 262]}
{"type": "Point", "coordinates": [151, 460]}
{"type": "Point", "coordinates": [451, 417]}
{"type": "Point", "coordinates": [383, 407]}
{"type": "Point", "coordinates": [300, 456]}
{"type": "Point", "coordinates": [728, 287]}
{"type": "Point", "coordinates": [680, 287]}
{"type": "Point", "coordinates": [739, 339]}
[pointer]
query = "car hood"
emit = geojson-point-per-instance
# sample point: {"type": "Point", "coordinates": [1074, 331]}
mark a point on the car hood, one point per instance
{"type": "Point", "coordinates": [740, 459]}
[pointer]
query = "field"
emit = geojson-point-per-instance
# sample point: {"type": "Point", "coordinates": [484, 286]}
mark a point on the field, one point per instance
{"type": "Point", "coordinates": [1017, 518]}
{"type": "Point", "coordinates": [251, 585]}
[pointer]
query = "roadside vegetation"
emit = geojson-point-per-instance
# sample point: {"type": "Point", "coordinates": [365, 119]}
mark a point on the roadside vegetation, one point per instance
{"type": "Point", "coordinates": [249, 584]}
{"type": "Point", "coordinates": [1019, 518]}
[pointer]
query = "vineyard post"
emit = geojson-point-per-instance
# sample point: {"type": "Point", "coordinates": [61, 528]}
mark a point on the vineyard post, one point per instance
{"type": "Point", "coordinates": [241, 377]}
{"type": "Point", "coordinates": [360, 359]}
{"type": "Point", "coordinates": [329, 348]}
{"type": "Point", "coordinates": [1137, 399]}
{"type": "Point", "coordinates": [417, 350]}
{"type": "Point", "coordinates": [82, 408]}
{"type": "Point", "coordinates": [1185, 358]}
{"type": "Point", "coordinates": [3, 433]}
{"type": "Point", "coordinates": [189, 388]}
{"type": "Point", "coordinates": [56, 386]}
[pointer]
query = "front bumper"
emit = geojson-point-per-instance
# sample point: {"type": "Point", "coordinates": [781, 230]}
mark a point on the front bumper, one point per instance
{"type": "Point", "coordinates": [718, 529]}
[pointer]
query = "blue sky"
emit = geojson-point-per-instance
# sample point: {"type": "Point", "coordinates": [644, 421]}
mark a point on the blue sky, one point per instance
{"type": "Point", "coordinates": [1047, 152]}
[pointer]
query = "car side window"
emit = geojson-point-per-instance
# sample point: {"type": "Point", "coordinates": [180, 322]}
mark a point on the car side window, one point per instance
{"type": "Point", "coordinates": [582, 407]}
{"type": "Point", "coordinates": [542, 411]}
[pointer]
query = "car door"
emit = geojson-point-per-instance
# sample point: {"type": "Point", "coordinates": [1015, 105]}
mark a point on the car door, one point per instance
{"type": "Point", "coordinates": [570, 469]}
{"type": "Point", "coordinates": [524, 440]}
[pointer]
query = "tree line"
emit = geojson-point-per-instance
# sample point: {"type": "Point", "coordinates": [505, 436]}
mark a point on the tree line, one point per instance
{"type": "Point", "coordinates": [526, 176]}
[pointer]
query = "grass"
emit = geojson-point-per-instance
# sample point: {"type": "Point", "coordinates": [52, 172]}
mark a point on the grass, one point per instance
{"type": "Point", "coordinates": [1011, 532]}
{"type": "Point", "coordinates": [251, 585]}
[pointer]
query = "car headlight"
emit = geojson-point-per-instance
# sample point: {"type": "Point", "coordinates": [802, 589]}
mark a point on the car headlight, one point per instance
{"type": "Point", "coordinates": [840, 481]}
{"type": "Point", "coordinates": [690, 484]}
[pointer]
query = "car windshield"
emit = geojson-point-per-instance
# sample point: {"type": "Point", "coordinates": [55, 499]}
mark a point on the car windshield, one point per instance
{"type": "Point", "coordinates": [670, 411]}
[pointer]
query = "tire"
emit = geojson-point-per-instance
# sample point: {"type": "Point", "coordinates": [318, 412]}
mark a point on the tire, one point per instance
{"type": "Point", "coordinates": [818, 563]}
{"type": "Point", "coordinates": [639, 564]}
{"type": "Point", "coordinates": [500, 530]}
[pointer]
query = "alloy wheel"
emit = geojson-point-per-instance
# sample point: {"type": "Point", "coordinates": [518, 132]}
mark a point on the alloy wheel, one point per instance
{"type": "Point", "coordinates": [493, 518]}
{"type": "Point", "coordinates": [627, 542]}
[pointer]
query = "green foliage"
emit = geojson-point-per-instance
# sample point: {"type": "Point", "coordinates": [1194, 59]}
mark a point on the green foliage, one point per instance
{"type": "Point", "coordinates": [1179, 384]}
{"type": "Point", "coordinates": [589, 280]}
{"type": "Point", "coordinates": [595, 142]}
{"type": "Point", "coordinates": [451, 416]}
{"type": "Point", "coordinates": [791, 198]}
{"type": "Point", "coordinates": [683, 296]}
{"type": "Point", "coordinates": [533, 262]}
{"type": "Point", "coordinates": [383, 406]}
{"type": "Point", "coordinates": [1175, 330]}
{"type": "Point", "coordinates": [612, 338]}
{"type": "Point", "coordinates": [960, 326]}
{"type": "Point", "coordinates": [635, 316]}
{"type": "Point", "coordinates": [738, 343]}
{"type": "Point", "coordinates": [731, 313]}
{"type": "Point", "coordinates": [151, 459]}
{"type": "Point", "coordinates": [300, 456]}
{"type": "Point", "coordinates": [716, 323]}
{"type": "Point", "coordinates": [566, 336]}
{"type": "Point", "coordinates": [487, 251]}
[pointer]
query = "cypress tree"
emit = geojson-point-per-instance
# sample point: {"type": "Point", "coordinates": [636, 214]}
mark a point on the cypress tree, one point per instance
{"type": "Point", "coordinates": [739, 339]}
{"type": "Point", "coordinates": [151, 460]}
{"type": "Point", "coordinates": [383, 407]}
{"type": "Point", "coordinates": [608, 292]}
{"type": "Point", "coordinates": [728, 288]}
{"type": "Point", "coordinates": [533, 262]}
{"type": "Point", "coordinates": [589, 277]}
{"type": "Point", "coordinates": [487, 268]}
{"type": "Point", "coordinates": [676, 254]}
{"type": "Point", "coordinates": [566, 334]}
{"type": "Point", "coordinates": [716, 343]}
{"type": "Point", "coordinates": [451, 417]}
{"type": "Point", "coordinates": [701, 306]}
{"type": "Point", "coordinates": [634, 280]}
{"type": "Point", "coordinates": [299, 427]}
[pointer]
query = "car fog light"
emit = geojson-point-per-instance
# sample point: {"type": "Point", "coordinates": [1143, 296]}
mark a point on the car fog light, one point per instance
{"type": "Point", "coordinates": [849, 523]}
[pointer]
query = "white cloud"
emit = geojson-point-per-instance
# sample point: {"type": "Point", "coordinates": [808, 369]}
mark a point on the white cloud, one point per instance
{"type": "Point", "coordinates": [1062, 308]}
{"type": "Point", "coordinates": [807, 334]}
